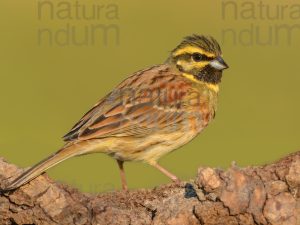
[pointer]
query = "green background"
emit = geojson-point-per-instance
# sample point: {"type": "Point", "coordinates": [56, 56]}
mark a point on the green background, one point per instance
{"type": "Point", "coordinates": [46, 89]}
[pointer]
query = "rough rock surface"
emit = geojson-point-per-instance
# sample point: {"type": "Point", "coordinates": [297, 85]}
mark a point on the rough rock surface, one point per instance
{"type": "Point", "coordinates": [239, 196]}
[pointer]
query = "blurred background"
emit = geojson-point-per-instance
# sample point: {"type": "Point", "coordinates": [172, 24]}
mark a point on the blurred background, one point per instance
{"type": "Point", "coordinates": [58, 58]}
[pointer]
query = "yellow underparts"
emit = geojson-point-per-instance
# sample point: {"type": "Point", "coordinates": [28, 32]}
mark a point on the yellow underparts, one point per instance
{"type": "Point", "coordinates": [191, 50]}
{"type": "Point", "coordinates": [213, 87]}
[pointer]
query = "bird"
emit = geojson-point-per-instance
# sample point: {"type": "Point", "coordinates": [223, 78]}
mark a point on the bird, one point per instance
{"type": "Point", "coordinates": [149, 114]}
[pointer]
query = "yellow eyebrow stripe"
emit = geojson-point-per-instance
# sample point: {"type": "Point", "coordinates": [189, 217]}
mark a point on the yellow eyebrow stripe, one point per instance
{"type": "Point", "coordinates": [191, 77]}
{"type": "Point", "coordinates": [191, 50]}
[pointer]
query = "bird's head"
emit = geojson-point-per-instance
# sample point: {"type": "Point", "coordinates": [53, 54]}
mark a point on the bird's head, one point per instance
{"type": "Point", "coordinates": [201, 57]}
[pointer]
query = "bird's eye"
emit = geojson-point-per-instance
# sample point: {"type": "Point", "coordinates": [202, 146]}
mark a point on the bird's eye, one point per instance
{"type": "Point", "coordinates": [197, 57]}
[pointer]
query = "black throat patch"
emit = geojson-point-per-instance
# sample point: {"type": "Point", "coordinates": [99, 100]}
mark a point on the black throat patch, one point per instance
{"type": "Point", "coordinates": [208, 74]}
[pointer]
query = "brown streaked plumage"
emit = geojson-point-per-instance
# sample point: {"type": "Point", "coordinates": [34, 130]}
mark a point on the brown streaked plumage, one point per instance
{"type": "Point", "coordinates": [149, 114]}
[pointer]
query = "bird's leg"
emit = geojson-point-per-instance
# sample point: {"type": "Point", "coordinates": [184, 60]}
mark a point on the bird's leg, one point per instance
{"type": "Point", "coordinates": [166, 172]}
{"type": "Point", "coordinates": [122, 173]}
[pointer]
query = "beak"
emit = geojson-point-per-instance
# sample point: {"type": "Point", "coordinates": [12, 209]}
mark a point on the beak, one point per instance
{"type": "Point", "coordinates": [219, 64]}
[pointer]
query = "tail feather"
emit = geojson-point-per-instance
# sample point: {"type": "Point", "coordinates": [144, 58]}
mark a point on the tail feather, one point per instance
{"type": "Point", "coordinates": [42, 166]}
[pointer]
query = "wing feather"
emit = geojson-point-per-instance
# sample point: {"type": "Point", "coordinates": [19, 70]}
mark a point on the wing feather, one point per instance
{"type": "Point", "coordinates": [137, 112]}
